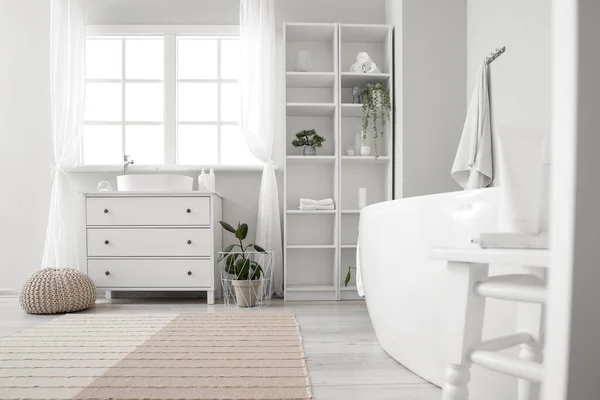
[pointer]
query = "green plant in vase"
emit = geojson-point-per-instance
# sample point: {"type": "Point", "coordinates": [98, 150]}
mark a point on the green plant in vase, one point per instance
{"type": "Point", "coordinates": [376, 109]}
{"type": "Point", "coordinates": [309, 140]}
{"type": "Point", "coordinates": [240, 264]}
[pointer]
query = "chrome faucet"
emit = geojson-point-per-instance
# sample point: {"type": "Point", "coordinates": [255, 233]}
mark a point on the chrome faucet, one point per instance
{"type": "Point", "coordinates": [127, 161]}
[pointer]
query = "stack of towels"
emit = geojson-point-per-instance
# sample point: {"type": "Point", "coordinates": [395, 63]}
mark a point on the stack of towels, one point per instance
{"type": "Point", "coordinates": [364, 64]}
{"type": "Point", "coordinates": [312, 205]}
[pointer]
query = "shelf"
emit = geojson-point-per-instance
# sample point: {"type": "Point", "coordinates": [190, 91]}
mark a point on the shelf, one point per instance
{"type": "Point", "coordinates": [310, 109]}
{"type": "Point", "coordinates": [348, 246]}
{"type": "Point", "coordinates": [366, 159]}
{"type": "Point", "coordinates": [351, 110]}
{"type": "Point", "coordinates": [351, 212]}
{"type": "Point", "coordinates": [311, 212]}
{"type": "Point", "coordinates": [311, 246]}
{"type": "Point", "coordinates": [364, 32]}
{"type": "Point", "coordinates": [310, 79]}
{"type": "Point", "coordinates": [309, 159]}
{"type": "Point", "coordinates": [310, 288]}
{"type": "Point", "coordinates": [351, 79]}
{"type": "Point", "coordinates": [307, 32]}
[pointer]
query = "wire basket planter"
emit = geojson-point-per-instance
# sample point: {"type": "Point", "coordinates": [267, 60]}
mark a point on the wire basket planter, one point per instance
{"type": "Point", "coordinates": [246, 278]}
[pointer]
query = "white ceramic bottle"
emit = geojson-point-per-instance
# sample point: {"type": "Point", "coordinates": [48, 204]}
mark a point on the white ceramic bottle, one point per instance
{"type": "Point", "coordinates": [210, 181]}
{"type": "Point", "coordinates": [202, 182]}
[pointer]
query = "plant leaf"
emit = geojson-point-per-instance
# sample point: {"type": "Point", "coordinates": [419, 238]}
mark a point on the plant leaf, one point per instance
{"type": "Point", "coordinates": [348, 277]}
{"type": "Point", "coordinates": [258, 248]}
{"type": "Point", "coordinates": [227, 227]}
{"type": "Point", "coordinates": [243, 230]}
{"type": "Point", "coordinates": [242, 267]}
{"type": "Point", "coordinates": [227, 250]}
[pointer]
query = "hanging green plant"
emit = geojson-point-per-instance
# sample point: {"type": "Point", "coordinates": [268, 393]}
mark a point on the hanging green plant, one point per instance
{"type": "Point", "coordinates": [376, 108]}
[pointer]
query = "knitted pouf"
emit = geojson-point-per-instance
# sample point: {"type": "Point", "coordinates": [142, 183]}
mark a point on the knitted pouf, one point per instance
{"type": "Point", "coordinates": [52, 291]}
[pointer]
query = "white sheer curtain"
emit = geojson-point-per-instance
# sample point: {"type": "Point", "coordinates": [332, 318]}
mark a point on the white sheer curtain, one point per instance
{"type": "Point", "coordinates": [67, 44]}
{"type": "Point", "coordinates": [257, 81]}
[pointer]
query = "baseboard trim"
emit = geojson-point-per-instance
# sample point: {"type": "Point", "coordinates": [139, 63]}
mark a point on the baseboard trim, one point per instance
{"type": "Point", "coordinates": [9, 292]}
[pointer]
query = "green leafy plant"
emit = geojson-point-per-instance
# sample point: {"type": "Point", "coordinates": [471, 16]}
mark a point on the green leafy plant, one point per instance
{"type": "Point", "coordinates": [348, 275]}
{"type": "Point", "coordinates": [308, 138]}
{"type": "Point", "coordinates": [239, 263]}
{"type": "Point", "coordinates": [376, 108]}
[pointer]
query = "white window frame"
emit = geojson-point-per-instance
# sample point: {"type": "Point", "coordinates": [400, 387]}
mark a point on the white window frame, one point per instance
{"type": "Point", "coordinates": [170, 33]}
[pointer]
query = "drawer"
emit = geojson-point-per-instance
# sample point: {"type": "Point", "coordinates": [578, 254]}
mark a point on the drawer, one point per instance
{"type": "Point", "coordinates": [118, 211]}
{"type": "Point", "coordinates": [158, 242]}
{"type": "Point", "coordinates": [151, 273]}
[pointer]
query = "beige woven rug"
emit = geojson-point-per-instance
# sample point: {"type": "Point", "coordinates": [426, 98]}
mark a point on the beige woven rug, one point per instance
{"type": "Point", "coordinates": [225, 356]}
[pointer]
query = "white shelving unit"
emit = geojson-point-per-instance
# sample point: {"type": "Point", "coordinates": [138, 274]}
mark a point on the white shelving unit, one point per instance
{"type": "Point", "coordinates": [320, 245]}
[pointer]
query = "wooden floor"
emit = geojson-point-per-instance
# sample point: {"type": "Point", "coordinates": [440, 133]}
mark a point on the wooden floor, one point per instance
{"type": "Point", "coordinates": [344, 360]}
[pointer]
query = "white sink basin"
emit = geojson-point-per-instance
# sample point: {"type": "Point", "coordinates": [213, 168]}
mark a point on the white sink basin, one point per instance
{"type": "Point", "coordinates": [154, 183]}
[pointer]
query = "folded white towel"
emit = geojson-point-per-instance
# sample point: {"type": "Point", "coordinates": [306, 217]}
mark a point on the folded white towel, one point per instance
{"type": "Point", "coordinates": [358, 68]}
{"type": "Point", "coordinates": [315, 208]}
{"type": "Point", "coordinates": [371, 68]}
{"type": "Point", "coordinates": [311, 202]}
{"type": "Point", "coordinates": [363, 57]}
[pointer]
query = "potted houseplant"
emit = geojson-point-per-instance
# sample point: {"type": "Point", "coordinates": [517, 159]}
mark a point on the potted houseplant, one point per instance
{"type": "Point", "coordinates": [246, 272]}
{"type": "Point", "coordinates": [309, 140]}
{"type": "Point", "coordinates": [376, 108]}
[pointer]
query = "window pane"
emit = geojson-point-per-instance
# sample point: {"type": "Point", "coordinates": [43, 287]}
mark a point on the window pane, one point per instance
{"type": "Point", "coordinates": [102, 144]}
{"type": "Point", "coordinates": [234, 149]}
{"type": "Point", "coordinates": [230, 59]}
{"type": "Point", "coordinates": [144, 58]}
{"type": "Point", "coordinates": [197, 102]}
{"type": "Point", "coordinates": [197, 59]}
{"type": "Point", "coordinates": [103, 59]}
{"type": "Point", "coordinates": [197, 144]}
{"type": "Point", "coordinates": [145, 143]}
{"type": "Point", "coordinates": [230, 102]}
{"type": "Point", "coordinates": [103, 101]}
{"type": "Point", "coordinates": [144, 102]}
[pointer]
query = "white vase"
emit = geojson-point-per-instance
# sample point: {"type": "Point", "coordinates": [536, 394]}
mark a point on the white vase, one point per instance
{"type": "Point", "coordinates": [357, 142]}
{"type": "Point", "coordinates": [303, 62]}
{"type": "Point", "coordinates": [362, 198]}
{"type": "Point", "coordinates": [246, 292]}
{"type": "Point", "coordinates": [365, 150]}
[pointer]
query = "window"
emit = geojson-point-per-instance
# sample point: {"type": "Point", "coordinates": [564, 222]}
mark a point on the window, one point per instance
{"type": "Point", "coordinates": [163, 99]}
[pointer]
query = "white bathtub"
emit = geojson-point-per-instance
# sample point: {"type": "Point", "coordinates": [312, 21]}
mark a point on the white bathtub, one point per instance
{"type": "Point", "coordinates": [404, 289]}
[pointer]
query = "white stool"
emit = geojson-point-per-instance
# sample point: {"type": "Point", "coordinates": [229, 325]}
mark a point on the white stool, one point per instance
{"type": "Point", "coordinates": [468, 285]}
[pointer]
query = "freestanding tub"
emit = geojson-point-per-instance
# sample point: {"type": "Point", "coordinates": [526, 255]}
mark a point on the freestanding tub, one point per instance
{"type": "Point", "coordinates": [404, 289]}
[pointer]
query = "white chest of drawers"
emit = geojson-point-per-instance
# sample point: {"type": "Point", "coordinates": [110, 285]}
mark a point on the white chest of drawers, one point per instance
{"type": "Point", "coordinates": [154, 241]}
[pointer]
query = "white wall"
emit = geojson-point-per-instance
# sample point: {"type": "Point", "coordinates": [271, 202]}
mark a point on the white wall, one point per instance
{"type": "Point", "coordinates": [431, 51]}
{"type": "Point", "coordinates": [25, 137]}
{"type": "Point", "coordinates": [520, 78]}
{"type": "Point", "coordinates": [572, 351]}
{"type": "Point", "coordinates": [226, 12]}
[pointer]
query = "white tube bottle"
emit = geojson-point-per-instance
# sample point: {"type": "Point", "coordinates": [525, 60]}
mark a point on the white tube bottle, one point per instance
{"type": "Point", "coordinates": [210, 181]}
{"type": "Point", "coordinates": [202, 182]}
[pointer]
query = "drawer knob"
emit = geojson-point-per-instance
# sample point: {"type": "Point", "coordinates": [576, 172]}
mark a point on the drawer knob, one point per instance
{"type": "Point", "coordinates": [107, 273]}
{"type": "Point", "coordinates": [188, 211]}
{"type": "Point", "coordinates": [189, 272]}
{"type": "Point", "coordinates": [106, 242]}
{"type": "Point", "coordinates": [106, 211]}
{"type": "Point", "coordinates": [189, 242]}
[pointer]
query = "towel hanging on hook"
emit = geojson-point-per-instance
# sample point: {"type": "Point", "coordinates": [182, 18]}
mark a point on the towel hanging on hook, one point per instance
{"type": "Point", "coordinates": [495, 54]}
